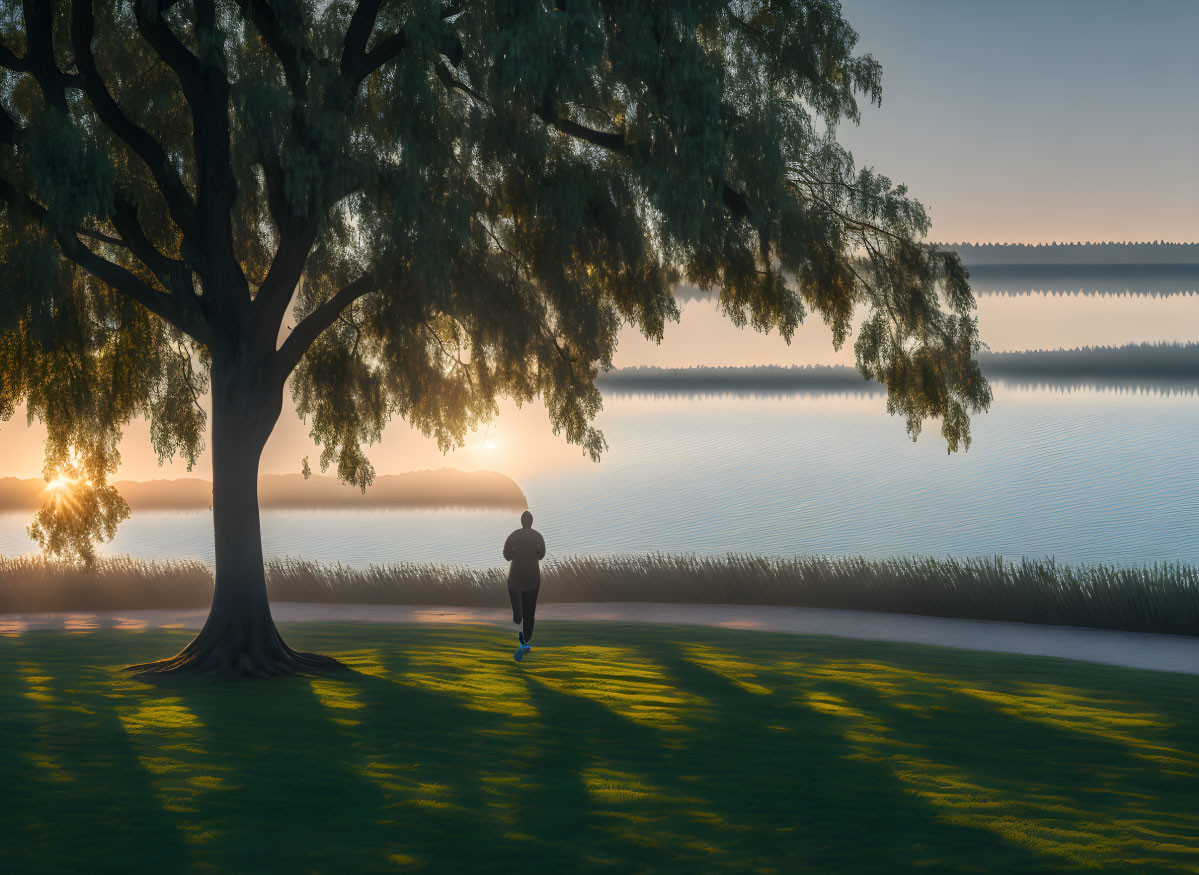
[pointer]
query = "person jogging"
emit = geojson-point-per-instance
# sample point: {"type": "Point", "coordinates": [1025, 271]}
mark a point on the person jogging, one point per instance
{"type": "Point", "coordinates": [524, 550]}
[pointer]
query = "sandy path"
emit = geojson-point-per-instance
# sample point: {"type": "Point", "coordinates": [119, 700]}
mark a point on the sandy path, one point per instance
{"type": "Point", "coordinates": [1133, 649]}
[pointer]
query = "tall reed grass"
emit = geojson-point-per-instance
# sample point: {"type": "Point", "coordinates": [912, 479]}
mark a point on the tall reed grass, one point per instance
{"type": "Point", "coordinates": [35, 583]}
{"type": "Point", "coordinates": [1158, 598]}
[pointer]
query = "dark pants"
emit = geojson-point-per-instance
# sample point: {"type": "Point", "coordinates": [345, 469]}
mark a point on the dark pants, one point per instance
{"type": "Point", "coordinates": [524, 606]}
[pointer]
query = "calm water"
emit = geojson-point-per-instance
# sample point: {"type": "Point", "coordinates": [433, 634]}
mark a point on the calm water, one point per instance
{"type": "Point", "coordinates": [1085, 476]}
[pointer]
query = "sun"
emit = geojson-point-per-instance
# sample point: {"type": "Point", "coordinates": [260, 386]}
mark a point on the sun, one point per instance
{"type": "Point", "coordinates": [64, 489]}
{"type": "Point", "coordinates": [59, 483]}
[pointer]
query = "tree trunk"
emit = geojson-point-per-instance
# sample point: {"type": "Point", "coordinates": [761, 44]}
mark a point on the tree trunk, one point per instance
{"type": "Point", "coordinates": [239, 639]}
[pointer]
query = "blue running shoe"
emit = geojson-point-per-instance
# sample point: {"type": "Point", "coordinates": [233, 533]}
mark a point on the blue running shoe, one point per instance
{"type": "Point", "coordinates": [520, 636]}
{"type": "Point", "coordinates": [520, 653]}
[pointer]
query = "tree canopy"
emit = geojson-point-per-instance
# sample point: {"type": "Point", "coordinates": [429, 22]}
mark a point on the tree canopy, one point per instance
{"type": "Point", "coordinates": [414, 209]}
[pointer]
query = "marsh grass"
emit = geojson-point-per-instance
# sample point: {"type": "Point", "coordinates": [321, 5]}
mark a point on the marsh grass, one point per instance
{"type": "Point", "coordinates": [35, 583]}
{"type": "Point", "coordinates": [1157, 598]}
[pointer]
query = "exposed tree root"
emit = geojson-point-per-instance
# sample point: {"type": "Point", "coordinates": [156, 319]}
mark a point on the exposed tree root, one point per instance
{"type": "Point", "coordinates": [263, 653]}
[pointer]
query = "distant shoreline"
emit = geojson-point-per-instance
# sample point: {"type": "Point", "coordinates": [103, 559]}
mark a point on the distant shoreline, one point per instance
{"type": "Point", "coordinates": [1076, 254]}
{"type": "Point", "coordinates": [445, 487]}
{"type": "Point", "coordinates": [1171, 366]}
{"type": "Point", "coordinates": [1149, 279]}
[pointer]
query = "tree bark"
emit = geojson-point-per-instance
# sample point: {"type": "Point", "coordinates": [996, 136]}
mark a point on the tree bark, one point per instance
{"type": "Point", "coordinates": [239, 639]}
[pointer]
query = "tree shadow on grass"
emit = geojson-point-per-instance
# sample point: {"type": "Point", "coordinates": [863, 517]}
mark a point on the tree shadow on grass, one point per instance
{"type": "Point", "coordinates": [680, 748]}
{"type": "Point", "coordinates": [585, 779]}
{"type": "Point", "coordinates": [1001, 755]}
{"type": "Point", "coordinates": [77, 797]}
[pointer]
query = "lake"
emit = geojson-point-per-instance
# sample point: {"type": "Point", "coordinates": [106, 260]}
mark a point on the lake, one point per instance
{"type": "Point", "coordinates": [1085, 475]}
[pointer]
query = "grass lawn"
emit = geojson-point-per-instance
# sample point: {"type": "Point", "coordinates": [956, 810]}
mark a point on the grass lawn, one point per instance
{"type": "Point", "coordinates": [611, 748]}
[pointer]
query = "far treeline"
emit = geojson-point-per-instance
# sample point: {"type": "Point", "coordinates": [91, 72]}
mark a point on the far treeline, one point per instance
{"type": "Point", "coordinates": [1157, 252]}
{"type": "Point", "coordinates": [1174, 364]}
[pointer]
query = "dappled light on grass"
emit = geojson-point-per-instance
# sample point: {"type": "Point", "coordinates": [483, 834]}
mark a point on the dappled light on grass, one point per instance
{"type": "Point", "coordinates": [481, 677]}
{"type": "Point", "coordinates": [655, 747]}
{"type": "Point", "coordinates": [732, 669]}
{"type": "Point", "coordinates": [1114, 721]}
{"type": "Point", "coordinates": [621, 680]}
{"type": "Point", "coordinates": [47, 767]}
{"type": "Point", "coordinates": [401, 785]}
{"type": "Point", "coordinates": [627, 807]}
{"type": "Point", "coordinates": [172, 748]}
{"type": "Point", "coordinates": [367, 661]}
{"type": "Point", "coordinates": [1066, 709]}
{"type": "Point", "coordinates": [338, 696]}
{"type": "Point", "coordinates": [1038, 816]}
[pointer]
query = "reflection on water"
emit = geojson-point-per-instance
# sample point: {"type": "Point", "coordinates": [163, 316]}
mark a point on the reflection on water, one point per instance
{"type": "Point", "coordinates": [1131, 386]}
{"type": "Point", "coordinates": [1070, 279]}
{"type": "Point", "coordinates": [1040, 321]}
{"type": "Point", "coordinates": [1086, 476]}
{"type": "Point", "coordinates": [1086, 279]}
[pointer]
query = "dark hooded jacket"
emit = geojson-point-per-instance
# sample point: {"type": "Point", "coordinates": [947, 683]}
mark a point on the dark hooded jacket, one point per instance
{"type": "Point", "coordinates": [523, 549]}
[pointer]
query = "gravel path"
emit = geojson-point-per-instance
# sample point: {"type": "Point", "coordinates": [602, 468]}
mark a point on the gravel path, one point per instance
{"type": "Point", "coordinates": [1133, 649]}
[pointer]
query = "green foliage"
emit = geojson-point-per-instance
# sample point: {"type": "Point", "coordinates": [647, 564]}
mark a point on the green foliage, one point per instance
{"type": "Point", "coordinates": [77, 513]}
{"type": "Point", "coordinates": [434, 206]}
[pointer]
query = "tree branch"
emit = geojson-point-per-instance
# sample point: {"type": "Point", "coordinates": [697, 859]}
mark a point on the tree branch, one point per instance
{"type": "Point", "coordinates": [206, 88]}
{"type": "Point", "coordinates": [734, 201]}
{"type": "Point", "coordinates": [385, 50]}
{"type": "Point", "coordinates": [353, 54]}
{"type": "Point", "coordinates": [122, 280]}
{"type": "Point", "coordinates": [302, 336]}
{"type": "Point", "coordinates": [278, 287]}
{"type": "Point", "coordinates": [171, 308]}
{"type": "Point", "coordinates": [179, 200]}
{"type": "Point", "coordinates": [39, 53]}
{"type": "Point", "coordinates": [33, 209]}
{"type": "Point", "coordinates": [166, 307]}
{"type": "Point", "coordinates": [172, 50]}
{"type": "Point", "coordinates": [291, 56]}
{"type": "Point", "coordinates": [10, 61]}
{"type": "Point", "coordinates": [453, 83]}
{"type": "Point", "coordinates": [857, 224]}
{"type": "Point", "coordinates": [613, 142]}
{"type": "Point", "coordinates": [174, 275]}
{"type": "Point", "coordinates": [357, 63]}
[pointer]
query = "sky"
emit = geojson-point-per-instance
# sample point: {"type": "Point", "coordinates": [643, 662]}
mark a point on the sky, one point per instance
{"type": "Point", "coordinates": [1021, 121]}
{"type": "Point", "coordinates": [1030, 121]}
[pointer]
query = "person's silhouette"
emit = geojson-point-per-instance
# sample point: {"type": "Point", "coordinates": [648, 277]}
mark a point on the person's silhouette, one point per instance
{"type": "Point", "coordinates": [524, 549]}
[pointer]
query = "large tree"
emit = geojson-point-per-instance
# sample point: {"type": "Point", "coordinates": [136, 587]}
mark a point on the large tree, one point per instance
{"type": "Point", "coordinates": [417, 208]}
